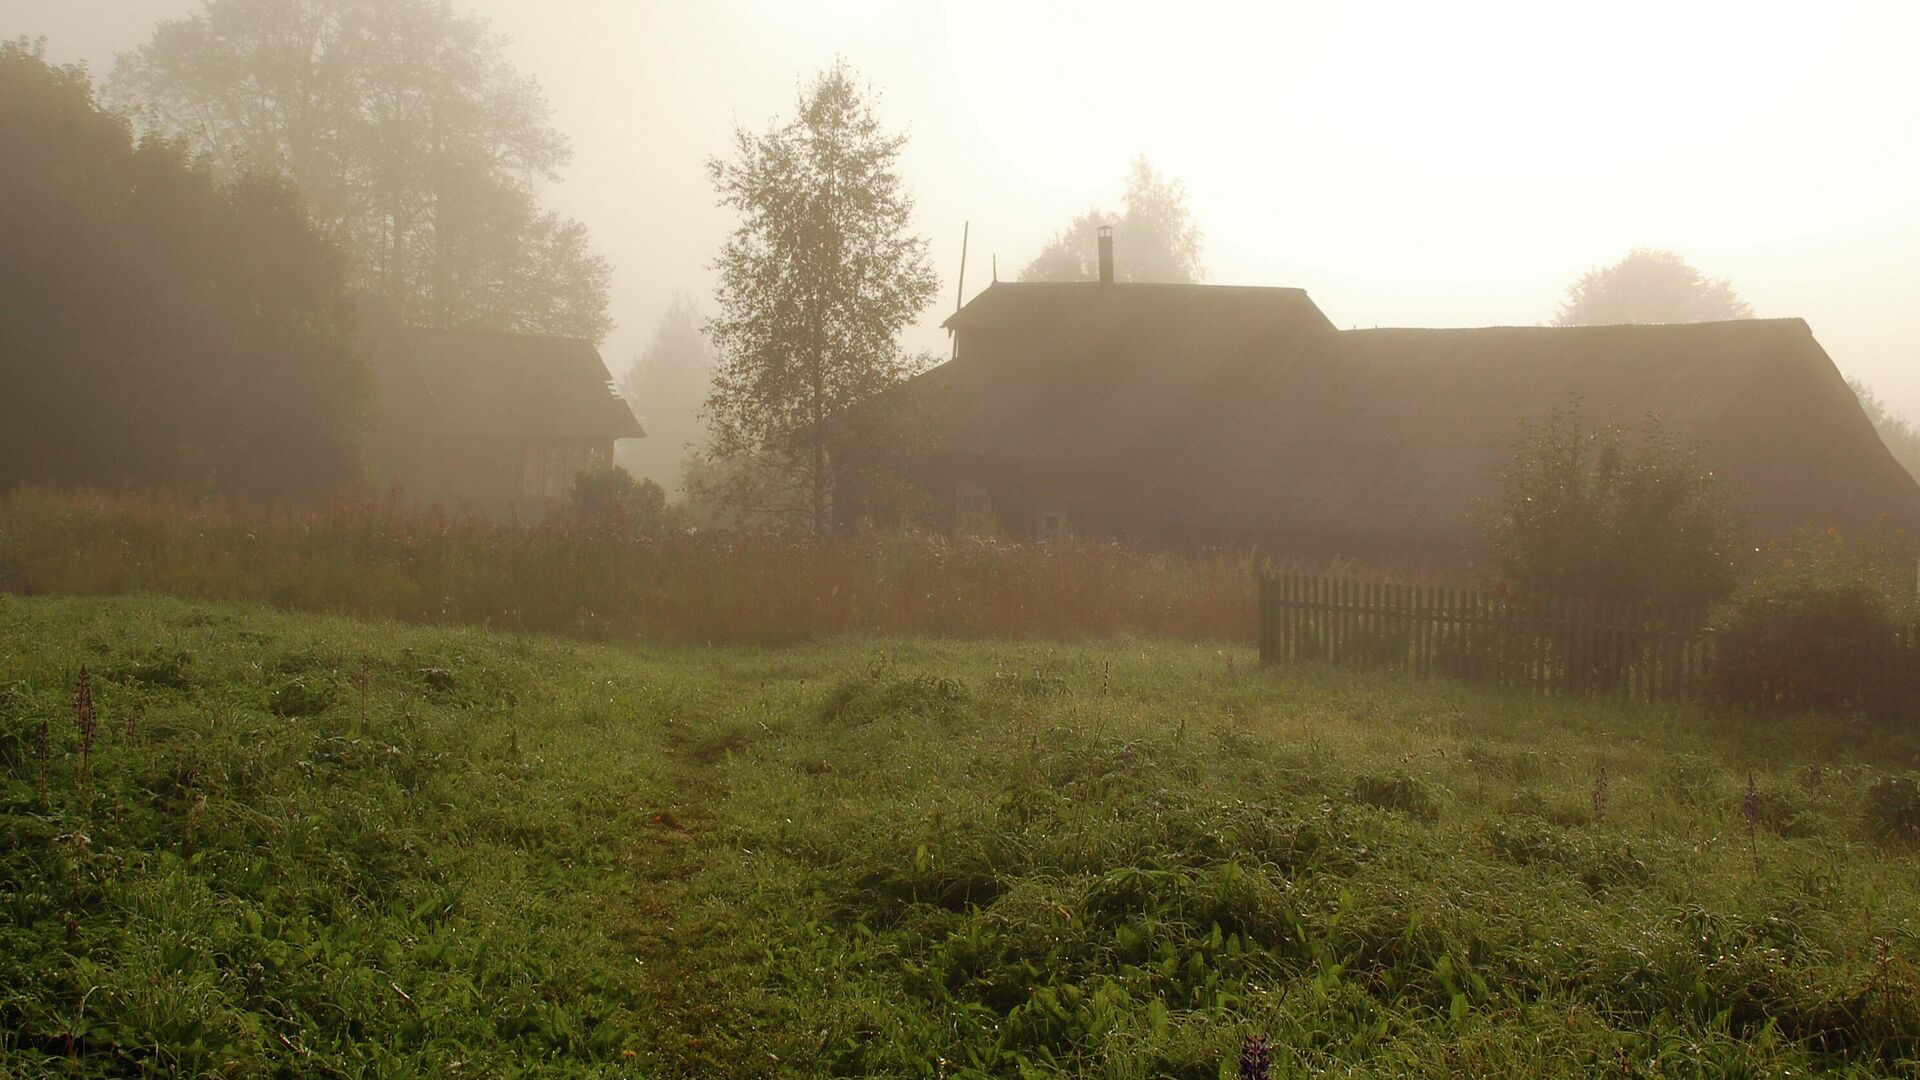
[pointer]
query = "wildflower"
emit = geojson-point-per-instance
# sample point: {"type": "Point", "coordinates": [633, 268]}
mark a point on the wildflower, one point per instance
{"type": "Point", "coordinates": [84, 717]}
{"type": "Point", "coordinates": [46, 732]}
{"type": "Point", "coordinates": [1256, 1058]}
{"type": "Point", "coordinates": [1600, 796]}
{"type": "Point", "coordinates": [1750, 806]}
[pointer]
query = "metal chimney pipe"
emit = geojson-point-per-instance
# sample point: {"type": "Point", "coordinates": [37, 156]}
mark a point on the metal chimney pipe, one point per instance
{"type": "Point", "coordinates": [1106, 254]}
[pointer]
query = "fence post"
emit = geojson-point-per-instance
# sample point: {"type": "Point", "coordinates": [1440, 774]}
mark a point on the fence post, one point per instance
{"type": "Point", "coordinates": [1264, 634]}
{"type": "Point", "coordinates": [1336, 620]}
{"type": "Point", "coordinates": [1417, 631]}
{"type": "Point", "coordinates": [1297, 618]}
{"type": "Point", "coordinates": [1371, 632]}
{"type": "Point", "coordinates": [1284, 588]}
{"type": "Point", "coordinates": [1429, 597]}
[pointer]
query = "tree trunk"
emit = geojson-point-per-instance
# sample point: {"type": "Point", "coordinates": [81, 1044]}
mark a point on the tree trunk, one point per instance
{"type": "Point", "coordinates": [823, 303]}
{"type": "Point", "coordinates": [819, 485]}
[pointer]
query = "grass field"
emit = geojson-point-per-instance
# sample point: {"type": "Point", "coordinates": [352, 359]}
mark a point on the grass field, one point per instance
{"type": "Point", "coordinates": [308, 846]}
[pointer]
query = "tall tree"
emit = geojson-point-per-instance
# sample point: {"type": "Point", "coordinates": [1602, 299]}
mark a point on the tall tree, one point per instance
{"type": "Point", "coordinates": [816, 283]}
{"type": "Point", "coordinates": [159, 326]}
{"type": "Point", "coordinates": [668, 384]}
{"type": "Point", "coordinates": [1649, 286]}
{"type": "Point", "coordinates": [1899, 433]}
{"type": "Point", "coordinates": [417, 145]}
{"type": "Point", "coordinates": [1154, 240]}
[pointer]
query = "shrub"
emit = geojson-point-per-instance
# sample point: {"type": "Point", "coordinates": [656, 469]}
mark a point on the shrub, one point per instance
{"type": "Point", "coordinates": [608, 496]}
{"type": "Point", "coordinates": [1627, 517]}
{"type": "Point", "coordinates": [1893, 807]}
{"type": "Point", "coordinates": [1807, 641]}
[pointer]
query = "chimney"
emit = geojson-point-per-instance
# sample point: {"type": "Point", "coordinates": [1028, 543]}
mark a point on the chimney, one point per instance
{"type": "Point", "coordinates": [1106, 254]}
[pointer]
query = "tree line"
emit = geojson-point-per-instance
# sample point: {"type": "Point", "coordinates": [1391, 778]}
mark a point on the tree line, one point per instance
{"type": "Point", "coordinates": [161, 325]}
{"type": "Point", "coordinates": [183, 247]}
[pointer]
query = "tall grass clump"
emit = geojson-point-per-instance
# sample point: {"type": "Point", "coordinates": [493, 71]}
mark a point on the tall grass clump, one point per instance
{"type": "Point", "coordinates": [576, 576]}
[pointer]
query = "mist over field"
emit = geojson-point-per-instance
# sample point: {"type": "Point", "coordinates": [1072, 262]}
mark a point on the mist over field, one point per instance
{"type": "Point", "coordinates": [608, 538]}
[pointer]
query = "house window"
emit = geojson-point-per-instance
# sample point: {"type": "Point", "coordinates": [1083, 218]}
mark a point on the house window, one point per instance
{"type": "Point", "coordinates": [548, 471]}
{"type": "Point", "coordinates": [1052, 525]}
{"type": "Point", "coordinates": [973, 511]}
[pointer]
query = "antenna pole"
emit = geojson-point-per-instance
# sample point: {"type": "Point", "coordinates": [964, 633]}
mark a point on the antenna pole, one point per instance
{"type": "Point", "coordinates": [960, 293]}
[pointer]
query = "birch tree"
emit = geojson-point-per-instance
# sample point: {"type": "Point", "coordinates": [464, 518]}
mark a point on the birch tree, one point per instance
{"type": "Point", "coordinates": [816, 283]}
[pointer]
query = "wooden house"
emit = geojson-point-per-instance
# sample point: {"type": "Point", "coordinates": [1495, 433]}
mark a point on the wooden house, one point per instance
{"type": "Point", "coordinates": [1195, 415]}
{"type": "Point", "coordinates": [488, 422]}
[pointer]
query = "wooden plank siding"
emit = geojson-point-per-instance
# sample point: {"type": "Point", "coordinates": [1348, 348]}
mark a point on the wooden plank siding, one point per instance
{"type": "Point", "coordinates": [1554, 645]}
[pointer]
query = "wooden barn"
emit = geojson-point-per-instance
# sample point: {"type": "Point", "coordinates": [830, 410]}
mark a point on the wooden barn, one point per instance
{"type": "Point", "coordinates": [1192, 415]}
{"type": "Point", "coordinates": [488, 422]}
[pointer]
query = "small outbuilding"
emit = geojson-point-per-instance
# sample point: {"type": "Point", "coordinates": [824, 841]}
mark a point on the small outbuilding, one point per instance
{"type": "Point", "coordinates": [488, 422]}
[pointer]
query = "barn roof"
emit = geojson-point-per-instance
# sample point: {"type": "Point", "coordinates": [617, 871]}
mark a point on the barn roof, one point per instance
{"type": "Point", "coordinates": [491, 384]}
{"type": "Point", "coordinates": [1243, 412]}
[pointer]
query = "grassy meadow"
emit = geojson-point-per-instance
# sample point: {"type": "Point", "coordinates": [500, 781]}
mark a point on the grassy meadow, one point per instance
{"type": "Point", "coordinates": [307, 845]}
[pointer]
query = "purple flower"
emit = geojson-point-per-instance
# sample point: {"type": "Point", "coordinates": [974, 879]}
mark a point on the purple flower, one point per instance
{"type": "Point", "coordinates": [1256, 1058]}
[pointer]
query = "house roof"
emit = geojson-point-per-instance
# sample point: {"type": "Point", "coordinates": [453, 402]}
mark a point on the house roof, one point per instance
{"type": "Point", "coordinates": [491, 384]}
{"type": "Point", "coordinates": [1243, 412]}
{"type": "Point", "coordinates": [1052, 303]}
{"type": "Point", "coordinates": [1088, 372]}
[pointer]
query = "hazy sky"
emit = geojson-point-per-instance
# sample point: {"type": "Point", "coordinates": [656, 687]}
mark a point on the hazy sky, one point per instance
{"type": "Point", "coordinates": [1411, 164]}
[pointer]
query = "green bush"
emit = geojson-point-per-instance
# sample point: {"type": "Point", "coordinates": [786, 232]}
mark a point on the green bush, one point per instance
{"type": "Point", "coordinates": [1803, 642]}
{"type": "Point", "coordinates": [610, 497]}
{"type": "Point", "coordinates": [1614, 515]}
{"type": "Point", "coordinates": [1893, 807]}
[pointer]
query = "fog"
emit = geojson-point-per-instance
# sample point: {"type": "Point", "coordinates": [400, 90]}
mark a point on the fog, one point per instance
{"type": "Point", "coordinates": [1406, 164]}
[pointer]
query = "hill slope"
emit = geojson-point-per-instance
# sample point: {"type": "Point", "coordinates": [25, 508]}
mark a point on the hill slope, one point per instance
{"type": "Point", "coordinates": [311, 845]}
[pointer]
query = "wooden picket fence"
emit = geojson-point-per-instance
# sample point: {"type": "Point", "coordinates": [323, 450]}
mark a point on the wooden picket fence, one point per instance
{"type": "Point", "coordinates": [1554, 645]}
